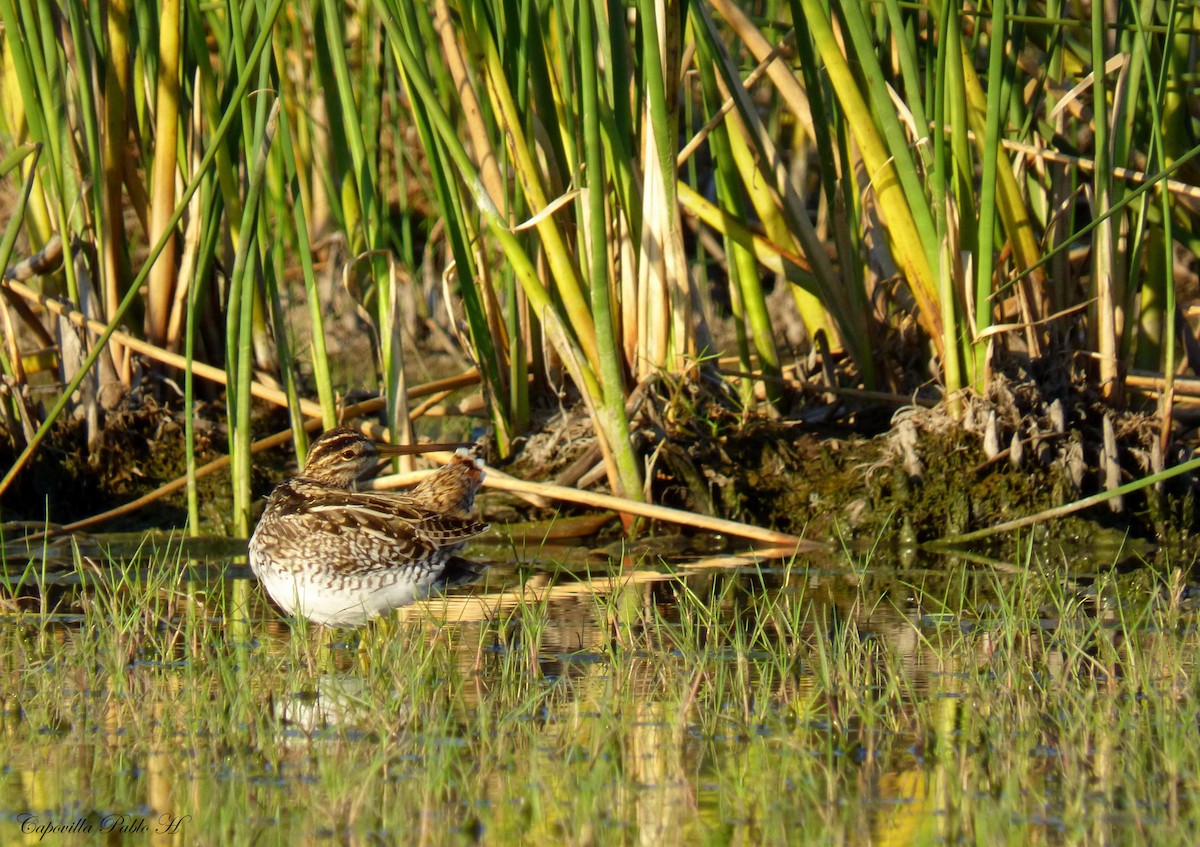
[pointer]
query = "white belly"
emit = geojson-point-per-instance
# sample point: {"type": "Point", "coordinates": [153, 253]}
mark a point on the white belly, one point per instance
{"type": "Point", "coordinates": [351, 605]}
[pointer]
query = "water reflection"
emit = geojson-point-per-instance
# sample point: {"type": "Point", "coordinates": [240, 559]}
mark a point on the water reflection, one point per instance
{"type": "Point", "coordinates": [733, 712]}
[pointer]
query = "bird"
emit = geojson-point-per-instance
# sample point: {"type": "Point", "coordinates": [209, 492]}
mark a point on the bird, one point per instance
{"type": "Point", "coordinates": [339, 557]}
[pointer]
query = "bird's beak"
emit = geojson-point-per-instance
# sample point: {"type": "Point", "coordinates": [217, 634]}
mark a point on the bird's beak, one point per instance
{"type": "Point", "coordinates": [413, 449]}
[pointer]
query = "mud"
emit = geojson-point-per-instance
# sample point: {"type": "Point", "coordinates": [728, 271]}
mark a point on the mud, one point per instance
{"type": "Point", "coordinates": [865, 475]}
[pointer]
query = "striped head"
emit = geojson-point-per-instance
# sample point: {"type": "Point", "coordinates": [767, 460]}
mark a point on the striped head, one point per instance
{"type": "Point", "coordinates": [343, 456]}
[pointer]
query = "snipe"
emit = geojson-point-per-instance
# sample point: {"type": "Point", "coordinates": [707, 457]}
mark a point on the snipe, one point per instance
{"type": "Point", "coordinates": [340, 557]}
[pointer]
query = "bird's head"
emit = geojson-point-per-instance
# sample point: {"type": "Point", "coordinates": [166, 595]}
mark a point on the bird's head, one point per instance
{"type": "Point", "coordinates": [343, 456]}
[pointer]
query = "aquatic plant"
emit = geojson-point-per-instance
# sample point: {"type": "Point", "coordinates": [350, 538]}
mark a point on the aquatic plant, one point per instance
{"type": "Point", "coordinates": [917, 175]}
{"type": "Point", "coordinates": [948, 700]}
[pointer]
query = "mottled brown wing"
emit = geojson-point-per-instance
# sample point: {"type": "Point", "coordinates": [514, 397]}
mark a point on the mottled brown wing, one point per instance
{"type": "Point", "coordinates": [360, 533]}
{"type": "Point", "coordinates": [359, 543]}
{"type": "Point", "coordinates": [448, 530]}
{"type": "Point", "coordinates": [297, 497]}
{"type": "Point", "coordinates": [301, 540]}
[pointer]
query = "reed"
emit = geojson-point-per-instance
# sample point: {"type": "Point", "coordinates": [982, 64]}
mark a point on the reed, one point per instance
{"type": "Point", "coordinates": [915, 174]}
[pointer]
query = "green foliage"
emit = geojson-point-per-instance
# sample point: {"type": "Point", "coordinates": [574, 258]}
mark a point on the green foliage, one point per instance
{"type": "Point", "coordinates": [843, 697]}
{"type": "Point", "coordinates": [895, 165]}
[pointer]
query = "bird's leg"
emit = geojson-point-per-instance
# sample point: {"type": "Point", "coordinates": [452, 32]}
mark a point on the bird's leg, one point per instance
{"type": "Point", "coordinates": [364, 658]}
{"type": "Point", "coordinates": [377, 634]}
{"type": "Point", "coordinates": [315, 651]}
{"type": "Point", "coordinates": [325, 655]}
{"type": "Point", "coordinates": [309, 657]}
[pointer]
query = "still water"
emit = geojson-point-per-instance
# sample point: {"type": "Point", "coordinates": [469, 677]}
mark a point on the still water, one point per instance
{"type": "Point", "coordinates": [583, 695]}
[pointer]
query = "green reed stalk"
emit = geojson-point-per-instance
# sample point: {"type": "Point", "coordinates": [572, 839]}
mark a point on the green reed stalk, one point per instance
{"type": "Point", "coordinates": [211, 233]}
{"type": "Point", "coordinates": [886, 119]}
{"type": "Point", "coordinates": [1145, 276]}
{"type": "Point", "coordinates": [763, 198]}
{"type": "Point", "coordinates": [627, 473]}
{"type": "Point", "coordinates": [189, 402]}
{"type": "Point", "coordinates": [908, 56]}
{"type": "Point", "coordinates": [226, 162]}
{"type": "Point", "coordinates": [940, 201]}
{"type": "Point", "coordinates": [740, 264]}
{"type": "Point", "coordinates": [134, 291]}
{"type": "Point", "coordinates": [612, 404]}
{"type": "Point", "coordinates": [1156, 319]}
{"type": "Point", "coordinates": [844, 304]}
{"type": "Point", "coordinates": [551, 241]}
{"type": "Point", "coordinates": [368, 92]}
{"type": "Point", "coordinates": [1167, 120]}
{"type": "Point", "coordinates": [985, 257]}
{"type": "Point", "coordinates": [19, 88]}
{"type": "Point", "coordinates": [35, 59]}
{"type": "Point", "coordinates": [240, 341]}
{"type": "Point", "coordinates": [240, 315]}
{"type": "Point", "coordinates": [240, 21]}
{"type": "Point", "coordinates": [842, 198]}
{"type": "Point", "coordinates": [237, 19]}
{"type": "Point", "coordinates": [479, 116]}
{"type": "Point", "coordinates": [1012, 207]}
{"type": "Point", "coordinates": [272, 273]}
{"type": "Point", "coordinates": [617, 114]}
{"type": "Point", "coordinates": [50, 76]}
{"type": "Point", "coordinates": [366, 178]}
{"type": "Point", "coordinates": [956, 224]}
{"type": "Point", "coordinates": [89, 115]}
{"type": "Point", "coordinates": [409, 21]}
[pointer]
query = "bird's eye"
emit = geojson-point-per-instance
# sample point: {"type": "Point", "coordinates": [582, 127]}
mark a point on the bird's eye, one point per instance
{"type": "Point", "coordinates": [347, 454]}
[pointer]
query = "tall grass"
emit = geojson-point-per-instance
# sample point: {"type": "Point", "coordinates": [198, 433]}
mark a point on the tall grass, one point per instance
{"type": "Point", "coordinates": [898, 166]}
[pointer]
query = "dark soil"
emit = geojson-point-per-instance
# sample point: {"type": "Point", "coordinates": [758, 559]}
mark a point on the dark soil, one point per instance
{"type": "Point", "coordinates": [868, 473]}
{"type": "Point", "coordinates": [860, 472]}
{"type": "Point", "coordinates": [139, 446]}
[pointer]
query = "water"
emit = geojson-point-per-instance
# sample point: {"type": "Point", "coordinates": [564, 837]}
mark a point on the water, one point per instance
{"type": "Point", "coordinates": [583, 698]}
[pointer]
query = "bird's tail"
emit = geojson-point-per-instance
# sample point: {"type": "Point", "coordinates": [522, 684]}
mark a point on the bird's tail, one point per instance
{"type": "Point", "coordinates": [459, 571]}
{"type": "Point", "coordinates": [451, 488]}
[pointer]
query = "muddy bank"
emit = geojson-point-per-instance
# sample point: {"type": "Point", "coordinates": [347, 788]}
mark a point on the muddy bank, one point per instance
{"type": "Point", "coordinates": [139, 446]}
{"type": "Point", "coordinates": [870, 473]}
{"type": "Point", "coordinates": [865, 474]}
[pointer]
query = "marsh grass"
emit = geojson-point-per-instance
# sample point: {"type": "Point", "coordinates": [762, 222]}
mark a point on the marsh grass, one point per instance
{"type": "Point", "coordinates": [755, 705]}
{"type": "Point", "coordinates": [917, 174]}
